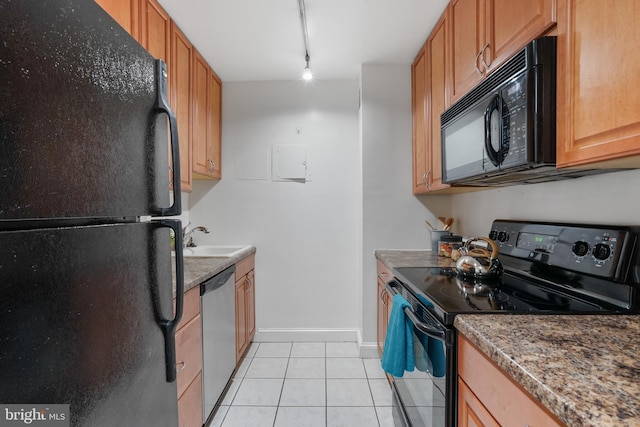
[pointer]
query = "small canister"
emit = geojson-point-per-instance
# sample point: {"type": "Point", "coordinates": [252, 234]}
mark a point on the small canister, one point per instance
{"type": "Point", "coordinates": [448, 244]}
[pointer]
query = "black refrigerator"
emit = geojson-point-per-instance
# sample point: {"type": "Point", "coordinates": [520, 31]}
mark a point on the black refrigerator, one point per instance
{"type": "Point", "coordinates": [87, 317]}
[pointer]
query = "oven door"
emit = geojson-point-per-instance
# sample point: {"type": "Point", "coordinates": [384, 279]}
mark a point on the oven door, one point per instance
{"type": "Point", "coordinates": [426, 396]}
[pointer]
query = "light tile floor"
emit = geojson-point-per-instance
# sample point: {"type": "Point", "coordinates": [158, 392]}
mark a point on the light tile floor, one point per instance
{"type": "Point", "coordinates": [306, 384]}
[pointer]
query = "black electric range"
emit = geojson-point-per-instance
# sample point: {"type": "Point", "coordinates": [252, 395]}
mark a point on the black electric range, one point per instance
{"type": "Point", "coordinates": [548, 269]}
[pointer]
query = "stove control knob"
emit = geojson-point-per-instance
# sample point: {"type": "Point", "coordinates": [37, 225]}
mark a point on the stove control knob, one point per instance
{"type": "Point", "coordinates": [580, 248]}
{"type": "Point", "coordinates": [601, 251]}
{"type": "Point", "coordinates": [503, 236]}
{"type": "Point", "coordinates": [493, 234]}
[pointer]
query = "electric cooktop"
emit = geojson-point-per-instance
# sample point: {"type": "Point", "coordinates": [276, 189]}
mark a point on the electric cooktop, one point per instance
{"type": "Point", "coordinates": [549, 269]}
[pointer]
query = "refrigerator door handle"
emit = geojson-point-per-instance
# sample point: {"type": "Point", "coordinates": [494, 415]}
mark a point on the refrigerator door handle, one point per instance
{"type": "Point", "coordinates": [169, 326]}
{"type": "Point", "coordinates": [162, 106]}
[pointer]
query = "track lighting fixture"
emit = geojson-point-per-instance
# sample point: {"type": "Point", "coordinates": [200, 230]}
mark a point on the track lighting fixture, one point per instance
{"type": "Point", "coordinates": [306, 74]}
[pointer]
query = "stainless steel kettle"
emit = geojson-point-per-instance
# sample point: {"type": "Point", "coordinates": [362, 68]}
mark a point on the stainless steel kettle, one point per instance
{"type": "Point", "coordinates": [477, 262]}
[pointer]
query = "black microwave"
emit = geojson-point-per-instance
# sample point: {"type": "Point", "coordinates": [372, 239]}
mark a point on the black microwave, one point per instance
{"type": "Point", "coordinates": [503, 131]}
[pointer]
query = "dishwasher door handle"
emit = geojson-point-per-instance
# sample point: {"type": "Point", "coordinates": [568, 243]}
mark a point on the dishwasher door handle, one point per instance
{"type": "Point", "coordinates": [217, 281]}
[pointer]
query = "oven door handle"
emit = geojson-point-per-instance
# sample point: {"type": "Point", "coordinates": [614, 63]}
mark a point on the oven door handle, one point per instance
{"type": "Point", "coordinates": [431, 331]}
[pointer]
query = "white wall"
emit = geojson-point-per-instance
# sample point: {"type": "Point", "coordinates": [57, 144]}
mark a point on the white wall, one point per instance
{"type": "Point", "coordinates": [392, 217]}
{"type": "Point", "coordinates": [307, 234]}
{"type": "Point", "coordinates": [611, 198]}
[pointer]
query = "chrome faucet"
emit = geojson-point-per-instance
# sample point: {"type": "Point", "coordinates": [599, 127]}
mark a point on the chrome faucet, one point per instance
{"type": "Point", "coordinates": [188, 235]}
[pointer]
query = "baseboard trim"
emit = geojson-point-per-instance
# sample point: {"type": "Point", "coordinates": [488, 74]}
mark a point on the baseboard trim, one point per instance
{"type": "Point", "coordinates": [305, 335]}
{"type": "Point", "coordinates": [366, 350]}
{"type": "Point", "coordinates": [369, 350]}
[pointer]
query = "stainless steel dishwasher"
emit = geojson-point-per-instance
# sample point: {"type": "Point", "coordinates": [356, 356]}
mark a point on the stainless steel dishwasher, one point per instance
{"type": "Point", "coordinates": [218, 336]}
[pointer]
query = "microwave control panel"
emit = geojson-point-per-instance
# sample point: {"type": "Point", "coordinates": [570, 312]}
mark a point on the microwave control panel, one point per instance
{"type": "Point", "coordinates": [514, 117]}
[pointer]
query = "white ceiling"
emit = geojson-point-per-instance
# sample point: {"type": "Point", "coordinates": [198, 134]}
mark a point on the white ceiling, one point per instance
{"type": "Point", "coordinates": [249, 40]}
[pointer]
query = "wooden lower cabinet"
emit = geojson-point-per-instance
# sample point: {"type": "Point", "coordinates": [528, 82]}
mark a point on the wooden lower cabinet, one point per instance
{"type": "Point", "coordinates": [384, 304]}
{"type": "Point", "coordinates": [189, 361]}
{"type": "Point", "coordinates": [489, 397]}
{"type": "Point", "coordinates": [384, 309]}
{"type": "Point", "coordinates": [245, 305]}
{"type": "Point", "coordinates": [471, 412]}
{"type": "Point", "coordinates": [190, 404]}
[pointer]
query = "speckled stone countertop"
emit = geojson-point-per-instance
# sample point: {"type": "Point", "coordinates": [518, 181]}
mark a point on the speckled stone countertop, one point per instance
{"type": "Point", "coordinates": [394, 258]}
{"type": "Point", "coordinates": [199, 269]}
{"type": "Point", "coordinates": [584, 369]}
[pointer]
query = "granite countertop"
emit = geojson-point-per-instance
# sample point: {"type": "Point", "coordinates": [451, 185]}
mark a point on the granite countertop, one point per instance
{"type": "Point", "coordinates": [199, 269]}
{"type": "Point", "coordinates": [395, 258]}
{"type": "Point", "coordinates": [584, 369]}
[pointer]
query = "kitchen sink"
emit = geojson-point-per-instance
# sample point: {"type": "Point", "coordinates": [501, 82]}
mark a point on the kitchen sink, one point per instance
{"type": "Point", "coordinates": [220, 251]}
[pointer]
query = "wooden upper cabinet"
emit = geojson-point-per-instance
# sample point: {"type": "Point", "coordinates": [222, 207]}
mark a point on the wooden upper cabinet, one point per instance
{"type": "Point", "coordinates": [598, 102]}
{"type": "Point", "coordinates": [419, 114]}
{"type": "Point", "coordinates": [429, 101]}
{"type": "Point", "coordinates": [485, 33]}
{"type": "Point", "coordinates": [438, 99]}
{"type": "Point", "coordinates": [206, 121]}
{"type": "Point", "coordinates": [199, 113]}
{"type": "Point", "coordinates": [466, 21]}
{"type": "Point", "coordinates": [125, 13]}
{"type": "Point", "coordinates": [180, 76]}
{"type": "Point", "coordinates": [511, 24]}
{"type": "Point", "coordinates": [155, 30]}
{"type": "Point", "coordinates": [214, 124]}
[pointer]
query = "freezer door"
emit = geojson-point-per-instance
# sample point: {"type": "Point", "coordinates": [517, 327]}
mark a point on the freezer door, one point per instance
{"type": "Point", "coordinates": [83, 311]}
{"type": "Point", "coordinates": [83, 129]}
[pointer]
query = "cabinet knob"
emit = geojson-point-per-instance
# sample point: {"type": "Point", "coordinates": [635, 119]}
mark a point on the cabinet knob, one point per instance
{"type": "Point", "coordinates": [211, 165]}
{"type": "Point", "coordinates": [180, 367]}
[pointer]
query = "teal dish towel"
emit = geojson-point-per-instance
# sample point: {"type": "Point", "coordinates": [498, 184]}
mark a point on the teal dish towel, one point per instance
{"type": "Point", "coordinates": [397, 356]}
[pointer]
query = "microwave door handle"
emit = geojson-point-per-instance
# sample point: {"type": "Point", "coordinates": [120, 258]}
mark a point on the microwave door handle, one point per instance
{"type": "Point", "coordinates": [494, 155]}
{"type": "Point", "coordinates": [428, 330]}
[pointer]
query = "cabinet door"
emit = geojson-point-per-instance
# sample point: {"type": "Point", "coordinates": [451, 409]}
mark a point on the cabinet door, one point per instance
{"type": "Point", "coordinates": [419, 114]}
{"type": "Point", "coordinates": [241, 319]}
{"type": "Point", "coordinates": [497, 391]}
{"type": "Point", "coordinates": [207, 121]}
{"type": "Point", "coordinates": [598, 103]}
{"type": "Point", "coordinates": [125, 13]}
{"type": "Point", "coordinates": [382, 316]}
{"type": "Point", "coordinates": [214, 125]}
{"type": "Point", "coordinates": [180, 74]}
{"type": "Point", "coordinates": [511, 24]}
{"type": "Point", "coordinates": [250, 304]}
{"type": "Point", "coordinates": [199, 115]}
{"type": "Point", "coordinates": [155, 30]}
{"type": "Point", "coordinates": [190, 405]}
{"type": "Point", "coordinates": [438, 100]}
{"type": "Point", "coordinates": [466, 20]}
{"type": "Point", "coordinates": [471, 412]}
{"type": "Point", "coordinates": [384, 311]}
{"type": "Point", "coordinates": [188, 353]}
